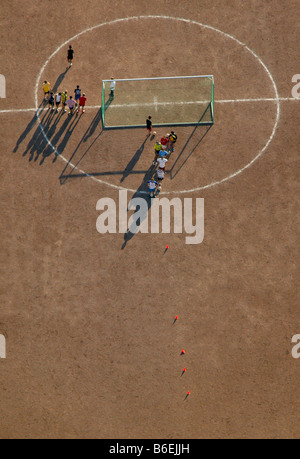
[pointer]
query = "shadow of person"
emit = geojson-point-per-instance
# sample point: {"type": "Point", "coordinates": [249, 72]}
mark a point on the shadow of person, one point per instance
{"type": "Point", "coordinates": [142, 210]}
{"type": "Point", "coordinates": [44, 140]}
{"type": "Point", "coordinates": [134, 160]}
{"type": "Point", "coordinates": [93, 126]}
{"type": "Point", "coordinates": [49, 131]}
{"type": "Point", "coordinates": [108, 102]}
{"type": "Point", "coordinates": [28, 128]}
{"type": "Point", "coordinates": [195, 138]}
{"type": "Point", "coordinates": [90, 130]}
{"type": "Point", "coordinates": [60, 79]}
{"type": "Point", "coordinates": [190, 146]}
{"type": "Point", "coordinates": [41, 139]}
{"type": "Point", "coordinates": [68, 127]}
{"type": "Point", "coordinates": [38, 142]}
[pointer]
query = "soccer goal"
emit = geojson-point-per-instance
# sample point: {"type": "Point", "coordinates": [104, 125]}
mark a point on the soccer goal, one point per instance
{"type": "Point", "coordinates": [171, 101]}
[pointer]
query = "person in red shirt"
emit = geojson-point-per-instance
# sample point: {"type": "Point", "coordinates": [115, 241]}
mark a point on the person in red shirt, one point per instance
{"type": "Point", "coordinates": [164, 141]}
{"type": "Point", "coordinates": [82, 101]}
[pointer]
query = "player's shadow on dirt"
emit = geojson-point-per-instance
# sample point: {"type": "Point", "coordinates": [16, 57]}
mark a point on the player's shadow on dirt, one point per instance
{"type": "Point", "coordinates": [60, 79]}
{"type": "Point", "coordinates": [49, 135]}
{"type": "Point", "coordinates": [196, 137]}
{"type": "Point", "coordinates": [28, 128]}
{"type": "Point", "coordinates": [61, 138]}
{"type": "Point", "coordinates": [141, 192]}
{"type": "Point", "coordinates": [134, 160]}
{"type": "Point", "coordinates": [65, 174]}
{"type": "Point", "coordinates": [38, 142]}
{"type": "Point", "coordinates": [34, 120]}
{"type": "Point", "coordinates": [194, 140]}
{"type": "Point", "coordinates": [108, 102]}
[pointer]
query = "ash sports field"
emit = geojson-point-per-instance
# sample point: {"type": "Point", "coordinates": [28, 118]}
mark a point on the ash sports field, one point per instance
{"type": "Point", "coordinates": [92, 346]}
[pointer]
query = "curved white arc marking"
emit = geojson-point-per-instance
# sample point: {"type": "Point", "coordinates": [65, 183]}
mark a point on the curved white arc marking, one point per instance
{"type": "Point", "coordinates": [189, 21]}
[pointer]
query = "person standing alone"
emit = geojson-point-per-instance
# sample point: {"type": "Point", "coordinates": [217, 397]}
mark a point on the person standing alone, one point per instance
{"type": "Point", "coordinates": [112, 88]}
{"type": "Point", "coordinates": [149, 125]}
{"type": "Point", "coordinates": [70, 56]}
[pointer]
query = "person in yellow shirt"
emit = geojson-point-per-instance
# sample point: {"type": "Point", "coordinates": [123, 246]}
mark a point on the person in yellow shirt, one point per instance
{"type": "Point", "coordinates": [46, 89]}
{"type": "Point", "coordinates": [64, 96]}
{"type": "Point", "coordinates": [172, 141]}
{"type": "Point", "coordinates": [157, 148]}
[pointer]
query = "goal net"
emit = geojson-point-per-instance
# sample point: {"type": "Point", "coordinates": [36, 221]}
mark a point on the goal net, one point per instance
{"type": "Point", "coordinates": [171, 101]}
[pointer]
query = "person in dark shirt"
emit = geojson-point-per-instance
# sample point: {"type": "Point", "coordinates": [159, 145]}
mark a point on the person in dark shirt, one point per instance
{"type": "Point", "coordinates": [70, 55]}
{"type": "Point", "coordinates": [77, 93]}
{"type": "Point", "coordinates": [51, 101]}
{"type": "Point", "coordinates": [172, 141]}
{"type": "Point", "coordinates": [149, 125]}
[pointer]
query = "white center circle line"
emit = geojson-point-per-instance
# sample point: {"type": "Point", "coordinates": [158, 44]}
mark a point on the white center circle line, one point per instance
{"type": "Point", "coordinates": [234, 174]}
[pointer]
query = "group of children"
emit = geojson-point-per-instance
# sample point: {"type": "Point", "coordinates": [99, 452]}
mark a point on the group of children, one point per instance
{"type": "Point", "coordinates": [62, 98]}
{"type": "Point", "coordinates": [162, 150]}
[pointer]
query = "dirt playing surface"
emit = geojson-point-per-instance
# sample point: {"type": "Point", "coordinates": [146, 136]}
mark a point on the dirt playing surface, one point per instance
{"type": "Point", "coordinates": [92, 347]}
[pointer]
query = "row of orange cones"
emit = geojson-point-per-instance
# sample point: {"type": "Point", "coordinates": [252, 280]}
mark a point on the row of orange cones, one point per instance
{"type": "Point", "coordinates": [182, 351]}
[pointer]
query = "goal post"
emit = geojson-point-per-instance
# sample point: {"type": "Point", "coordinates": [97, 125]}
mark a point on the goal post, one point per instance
{"type": "Point", "coordinates": [171, 101]}
{"type": "Point", "coordinates": [212, 101]}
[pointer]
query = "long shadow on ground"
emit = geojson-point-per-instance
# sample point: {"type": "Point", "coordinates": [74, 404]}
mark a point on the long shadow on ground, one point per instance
{"type": "Point", "coordinates": [48, 136]}
{"type": "Point", "coordinates": [141, 192]}
{"type": "Point", "coordinates": [65, 175]}
{"type": "Point", "coordinates": [129, 169]}
{"type": "Point", "coordinates": [60, 79]}
{"type": "Point", "coordinates": [188, 149]}
{"type": "Point", "coordinates": [28, 128]}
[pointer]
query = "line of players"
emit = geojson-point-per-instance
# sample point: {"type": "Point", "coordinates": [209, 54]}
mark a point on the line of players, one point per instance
{"type": "Point", "coordinates": [52, 99]}
{"type": "Point", "coordinates": [163, 150]}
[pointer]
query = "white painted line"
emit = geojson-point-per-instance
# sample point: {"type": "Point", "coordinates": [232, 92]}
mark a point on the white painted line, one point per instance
{"type": "Point", "coordinates": [155, 103]}
{"type": "Point", "coordinates": [18, 110]}
{"type": "Point", "coordinates": [266, 99]}
{"type": "Point", "coordinates": [168, 18]}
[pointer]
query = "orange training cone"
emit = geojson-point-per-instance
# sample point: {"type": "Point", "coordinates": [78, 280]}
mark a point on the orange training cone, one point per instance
{"type": "Point", "coordinates": [187, 394]}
